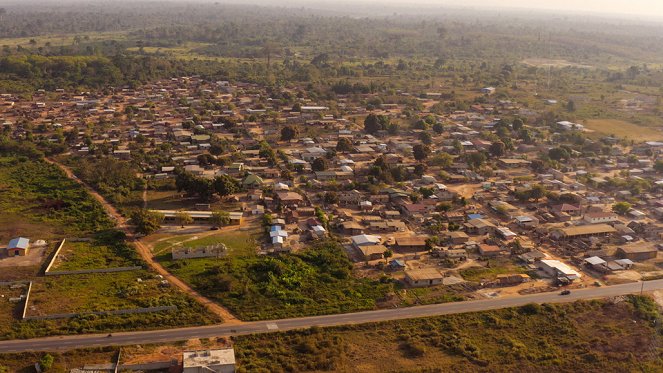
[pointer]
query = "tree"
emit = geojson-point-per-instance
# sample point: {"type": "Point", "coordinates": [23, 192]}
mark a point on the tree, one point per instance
{"type": "Point", "coordinates": [372, 124]}
{"type": "Point", "coordinates": [497, 149]}
{"type": "Point", "coordinates": [331, 198]}
{"type": "Point", "coordinates": [426, 138]}
{"type": "Point", "coordinates": [438, 128]}
{"type": "Point", "coordinates": [225, 185]}
{"type": "Point", "coordinates": [392, 129]}
{"type": "Point", "coordinates": [476, 160]}
{"type": "Point", "coordinates": [46, 362]}
{"type": "Point", "coordinates": [571, 106]}
{"type": "Point", "coordinates": [441, 159]}
{"type": "Point", "coordinates": [146, 221]}
{"type": "Point", "coordinates": [537, 192]}
{"type": "Point", "coordinates": [319, 164]}
{"type": "Point", "coordinates": [387, 254]}
{"type": "Point", "coordinates": [288, 133]}
{"type": "Point", "coordinates": [344, 145]}
{"type": "Point", "coordinates": [621, 208]}
{"type": "Point", "coordinates": [420, 152]}
{"type": "Point", "coordinates": [220, 218]}
{"type": "Point", "coordinates": [558, 154]}
{"type": "Point", "coordinates": [183, 218]}
{"type": "Point", "coordinates": [658, 166]}
{"type": "Point", "coordinates": [517, 124]}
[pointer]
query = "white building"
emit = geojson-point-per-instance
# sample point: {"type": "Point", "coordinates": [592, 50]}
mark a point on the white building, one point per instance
{"type": "Point", "coordinates": [555, 268]}
{"type": "Point", "coordinates": [209, 361]}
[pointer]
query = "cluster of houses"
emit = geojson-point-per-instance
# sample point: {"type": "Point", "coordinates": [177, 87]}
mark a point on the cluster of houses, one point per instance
{"type": "Point", "coordinates": [368, 190]}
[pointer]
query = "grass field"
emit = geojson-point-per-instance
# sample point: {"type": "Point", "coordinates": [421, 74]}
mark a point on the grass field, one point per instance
{"type": "Point", "coordinates": [9, 311]}
{"type": "Point", "coordinates": [623, 129]}
{"type": "Point", "coordinates": [315, 281]}
{"type": "Point", "coordinates": [92, 255]}
{"type": "Point", "coordinates": [596, 336]}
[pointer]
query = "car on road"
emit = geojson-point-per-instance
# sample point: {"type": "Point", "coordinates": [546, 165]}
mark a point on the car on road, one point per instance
{"type": "Point", "coordinates": [565, 292]}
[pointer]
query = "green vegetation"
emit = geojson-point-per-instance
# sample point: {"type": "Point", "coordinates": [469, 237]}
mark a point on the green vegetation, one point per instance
{"type": "Point", "coordinates": [104, 292]}
{"type": "Point", "coordinates": [581, 336]}
{"type": "Point", "coordinates": [107, 250]}
{"type": "Point", "coordinates": [491, 271]}
{"type": "Point", "coordinates": [315, 281]}
{"type": "Point", "coordinates": [40, 192]}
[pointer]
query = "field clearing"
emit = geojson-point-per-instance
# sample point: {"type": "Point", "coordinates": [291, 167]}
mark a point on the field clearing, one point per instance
{"type": "Point", "coordinates": [623, 129]}
{"type": "Point", "coordinates": [90, 255]}
{"type": "Point", "coordinates": [97, 292]}
{"type": "Point", "coordinates": [239, 243]}
{"type": "Point", "coordinates": [9, 312]}
{"type": "Point", "coordinates": [62, 39]}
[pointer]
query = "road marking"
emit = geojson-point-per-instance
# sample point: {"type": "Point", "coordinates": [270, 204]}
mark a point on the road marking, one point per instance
{"type": "Point", "coordinates": [272, 326]}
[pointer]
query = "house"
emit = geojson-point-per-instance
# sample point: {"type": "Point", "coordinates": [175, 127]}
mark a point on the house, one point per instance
{"type": "Point", "coordinates": [364, 240]}
{"type": "Point", "coordinates": [423, 277]}
{"type": "Point", "coordinates": [209, 361]}
{"type": "Point", "coordinates": [479, 226]}
{"type": "Point", "coordinates": [458, 237]}
{"type": "Point", "coordinates": [290, 199]}
{"type": "Point", "coordinates": [527, 221]}
{"type": "Point", "coordinates": [490, 251]}
{"type": "Point", "coordinates": [638, 251]}
{"type": "Point", "coordinates": [512, 279]}
{"type": "Point", "coordinates": [414, 243]}
{"type": "Point", "coordinates": [600, 217]}
{"type": "Point", "coordinates": [488, 90]}
{"type": "Point", "coordinates": [566, 208]}
{"type": "Point", "coordinates": [352, 228]}
{"type": "Point", "coordinates": [252, 181]}
{"type": "Point", "coordinates": [557, 269]}
{"type": "Point", "coordinates": [18, 247]}
{"type": "Point", "coordinates": [372, 252]}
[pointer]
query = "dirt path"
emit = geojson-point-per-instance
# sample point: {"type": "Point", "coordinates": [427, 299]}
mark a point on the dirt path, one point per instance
{"type": "Point", "coordinates": [145, 251]}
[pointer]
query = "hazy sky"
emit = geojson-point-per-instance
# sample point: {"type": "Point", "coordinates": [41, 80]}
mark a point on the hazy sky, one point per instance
{"type": "Point", "coordinates": [640, 7]}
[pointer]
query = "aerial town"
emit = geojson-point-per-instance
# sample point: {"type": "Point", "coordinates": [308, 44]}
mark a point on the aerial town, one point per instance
{"type": "Point", "coordinates": [177, 223]}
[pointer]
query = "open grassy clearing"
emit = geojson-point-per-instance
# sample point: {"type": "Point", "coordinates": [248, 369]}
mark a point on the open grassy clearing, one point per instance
{"type": "Point", "coordinates": [623, 129]}
{"type": "Point", "coordinates": [589, 336]}
{"type": "Point", "coordinates": [239, 243]}
{"type": "Point", "coordinates": [62, 39]}
{"type": "Point", "coordinates": [98, 292]}
{"type": "Point", "coordinates": [93, 255]}
{"type": "Point", "coordinates": [316, 281]}
{"type": "Point", "coordinates": [9, 311]}
{"type": "Point", "coordinates": [492, 269]}
{"type": "Point", "coordinates": [40, 192]}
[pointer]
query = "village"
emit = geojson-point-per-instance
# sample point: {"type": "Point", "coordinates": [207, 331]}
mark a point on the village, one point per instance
{"type": "Point", "coordinates": [487, 202]}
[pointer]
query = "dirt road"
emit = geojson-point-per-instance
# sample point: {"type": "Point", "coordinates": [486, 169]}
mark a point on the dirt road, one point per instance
{"type": "Point", "coordinates": [145, 252]}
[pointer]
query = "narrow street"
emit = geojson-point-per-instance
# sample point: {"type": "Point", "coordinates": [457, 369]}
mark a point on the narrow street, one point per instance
{"type": "Point", "coordinates": [146, 253]}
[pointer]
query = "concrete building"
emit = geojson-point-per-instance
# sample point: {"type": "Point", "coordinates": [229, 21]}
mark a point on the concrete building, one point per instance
{"type": "Point", "coordinates": [638, 251]}
{"type": "Point", "coordinates": [18, 247]}
{"type": "Point", "coordinates": [423, 277]}
{"type": "Point", "coordinates": [209, 361]}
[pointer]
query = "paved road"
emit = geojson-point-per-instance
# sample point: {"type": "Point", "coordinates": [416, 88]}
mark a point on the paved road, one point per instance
{"type": "Point", "coordinates": [169, 335]}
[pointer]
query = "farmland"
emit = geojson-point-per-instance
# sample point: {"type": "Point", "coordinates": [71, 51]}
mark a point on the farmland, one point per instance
{"type": "Point", "coordinates": [623, 129]}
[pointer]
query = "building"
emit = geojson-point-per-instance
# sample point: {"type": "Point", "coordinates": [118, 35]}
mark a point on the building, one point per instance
{"type": "Point", "coordinates": [18, 247]}
{"type": "Point", "coordinates": [199, 216]}
{"type": "Point", "coordinates": [371, 252]}
{"type": "Point", "coordinates": [365, 240]}
{"type": "Point", "coordinates": [413, 243]}
{"type": "Point", "coordinates": [582, 231]}
{"type": "Point", "coordinates": [557, 269]}
{"type": "Point", "coordinates": [479, 226]}
{"type": "Point", "coordinates": [490, 250]}
{"type": "Point", "coordinates": [638, 251]}
{"type": "Point", "coordinates": [209, 361]}
{"type": "Point", "coordinates": [423, 277]}
{"type": "Point", "coordinates": [600, 217]}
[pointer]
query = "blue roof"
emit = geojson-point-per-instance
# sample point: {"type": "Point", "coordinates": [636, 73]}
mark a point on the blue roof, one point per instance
{"type": "Point", "coordinates": [19, 243]}
{"type": "Point", "coordinates": [474, 216]}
